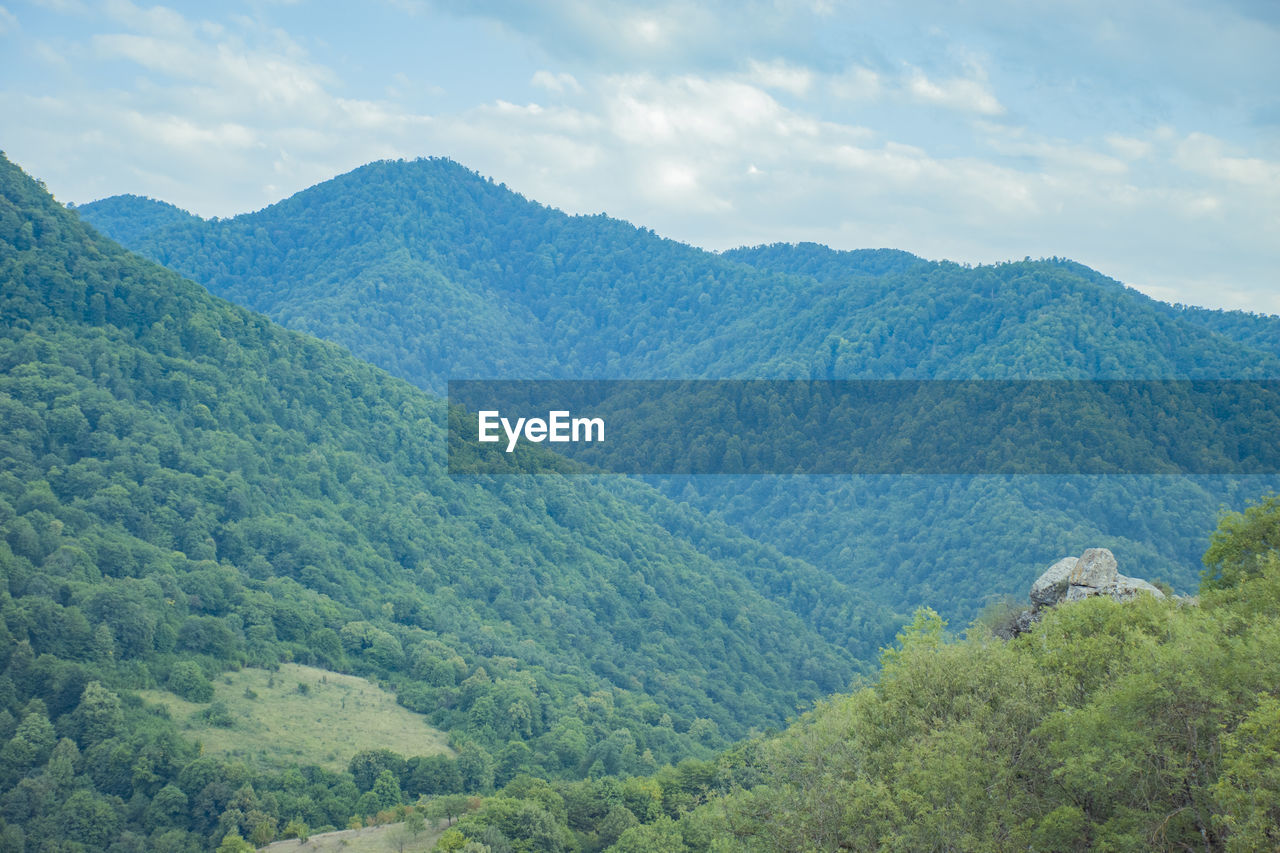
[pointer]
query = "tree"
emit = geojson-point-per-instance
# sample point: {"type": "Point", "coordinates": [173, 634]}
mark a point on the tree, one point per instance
{"type": "Point", "coordinates": [233, 843]}
{"type": "Point", "coordinates": [89, 818]}
{"type": "Point", "coordinates": [452, 841]}
{"type": "Point", "coordinates": [663, 834]}
{"type": "Point", "coordinates": [368, 764]}
{"type": "Point", "coordinates": [476, 766]}
{"type": "Point", "coordinates": [264, 829]}
{"type": "Point", "coordinates": [615, 823]}
{"type": "Point", "coordinates": [1247, 793]}
{"type": "Point", "coordinates": [386, 790]}
{"type": "Point", "coordinates": [30, 745]}
{"type": "Point", "coordinates": [1241, 544]}
{"type": "Point", "coordinates": [167, 807]}
{"type": "Point", "coordinates": [296, 828]}
{"type": "Point", "coordinates": [98, 716]}
{"type": "Point", "coordinates": [188, 681]}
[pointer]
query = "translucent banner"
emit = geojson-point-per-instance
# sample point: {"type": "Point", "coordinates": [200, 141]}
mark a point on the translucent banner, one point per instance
{"type": "Point", "coordinates": [966, 427]}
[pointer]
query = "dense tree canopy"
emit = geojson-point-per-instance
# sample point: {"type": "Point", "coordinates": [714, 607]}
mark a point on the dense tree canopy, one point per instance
{"type": "Point", "coordinates": [1144, 725]}
{"type": "Point", "coordinates": [185, 487]}
{"type": "Point", "coordinates": [432, 272]}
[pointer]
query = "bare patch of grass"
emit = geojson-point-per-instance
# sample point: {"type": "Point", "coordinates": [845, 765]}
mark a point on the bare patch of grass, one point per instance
{"type": "Point", "coordinates": [301, 715]}
{"type": "Point", "coordinates": [388, 838]}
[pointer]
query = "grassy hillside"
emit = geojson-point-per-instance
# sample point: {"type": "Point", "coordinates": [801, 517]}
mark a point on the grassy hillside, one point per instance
{"type": "Point", "coordinates": [297, 715]}
{"type": "Point", "coordinates": [385, 838]}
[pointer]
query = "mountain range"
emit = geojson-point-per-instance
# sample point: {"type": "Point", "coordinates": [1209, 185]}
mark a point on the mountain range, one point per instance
{"type": "Point", "coordinates": [432, 272]}
{"type": "Point", "coordinates": [189, 485]}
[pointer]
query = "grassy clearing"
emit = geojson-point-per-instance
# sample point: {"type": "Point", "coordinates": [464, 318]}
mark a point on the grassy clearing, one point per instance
{"type": "Point", "coordinates": [302, 715]}
{"type": "Point", "coordinates": [389, 838]}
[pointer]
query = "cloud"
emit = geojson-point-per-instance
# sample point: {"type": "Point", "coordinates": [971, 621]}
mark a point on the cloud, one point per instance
{"type": "Point", "coordinates": [8, 22]}
{"type": "Point", "coordinates": [962, 94]}
{"type": "Point", "coordinates": [1206, 155]}
{"type": "Point", "coordinates": [1057, 155]}
{"type": "Point", "coordinates": [976, 138]}
{"type": "Point", "coordinates": [640, 35]}
{"type": "Point", "coordinates": [559, 83]}
{"type": "Point", "coordinates": [216, 116]}
{"type": "Point", "coordinates": [1129, 148]}
{"type": "Point", "coordinates": [855, 83]}
{"type": "Point", "coordinates": [781, 75]}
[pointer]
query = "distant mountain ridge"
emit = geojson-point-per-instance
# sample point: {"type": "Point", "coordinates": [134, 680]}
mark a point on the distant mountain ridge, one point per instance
{"type": "Point", "coordinates": [414, 245]}
{"type": "Point", "coordinates": [136, 217]}
{"type": "Point", "coordinates": [431, 271]}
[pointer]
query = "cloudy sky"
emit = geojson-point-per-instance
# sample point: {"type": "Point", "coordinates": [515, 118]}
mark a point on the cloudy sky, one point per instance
{"type": "Point", "coordinates": [1142, 139]}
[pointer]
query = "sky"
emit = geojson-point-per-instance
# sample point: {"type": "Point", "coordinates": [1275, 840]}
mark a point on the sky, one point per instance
{"type": "Point", "coordinates": [1142, 139]}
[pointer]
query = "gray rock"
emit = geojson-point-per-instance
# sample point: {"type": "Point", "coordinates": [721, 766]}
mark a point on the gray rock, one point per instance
{"type": "Point", "coordinates": [1127, 588]}
{"type": "Point", "coordinates": [1096, 568]}
{"type": "Point", "coordinates": [1123, 589]}
{"type": "Point", "coordinates": [1079, 593]}
{"type": "Point", "coordinates": [1025, 620]}
{"type": "Point", "coordinates": [1051, 586]}
{"type": "Point", "coordinates": [1075, 579]}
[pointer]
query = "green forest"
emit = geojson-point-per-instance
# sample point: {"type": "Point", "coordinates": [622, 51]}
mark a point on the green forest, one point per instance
{"type": "Point", "coordinates": [1145, 725]}
{"type": "Point", "coordinates": [432, 272]}
{"type": "Point", "coordinates": [187, 488]}
{"type": "Point", "coordinates": [203, 512]}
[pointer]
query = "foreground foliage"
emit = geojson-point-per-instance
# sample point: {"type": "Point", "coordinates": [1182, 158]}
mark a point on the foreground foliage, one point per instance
{"type": "Point", "coordinates": [1148, 725]}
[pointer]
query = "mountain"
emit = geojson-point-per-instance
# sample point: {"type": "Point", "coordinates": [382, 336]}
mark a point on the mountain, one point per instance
{"type": "Point", "coordinates": [1260, 331]}
{"type": "Point", "coordinates": [136, 216]}
{"type": "Point", "coordinates": [430, 271]}
{"type": "Point", "coordinates": [433, 272]}
{"type": "Point", "coordinates": [1148, 724]}
{"type": "Point", "coordinates": [1142, 726]}
{"type": "Point", "coordinates": [186, 487]}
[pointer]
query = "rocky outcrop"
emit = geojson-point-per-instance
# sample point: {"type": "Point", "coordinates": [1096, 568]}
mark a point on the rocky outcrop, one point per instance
{"type": "Point", "coordinates": [1094, 569]}
{"type": "Point", "coordinates": [1051, 586]}
{"type": "Point", "coordinates": [1076, 578]}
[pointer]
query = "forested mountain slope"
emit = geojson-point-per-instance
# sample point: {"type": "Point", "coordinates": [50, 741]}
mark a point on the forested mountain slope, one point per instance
{"type": "Point", "coordinates": [134, 217]}
{"type": "Point", "coordinates": [1144, 725]}
{"type": "Point", "coordinates": [1261, 331]}
{"type": "Point", "coordinates": [429, 270]}
{"type": "Point", "coordinates": [1045, 319]}
{"type": "Point", "coordinates": [432, 272]}
{"type": "Point", "coordinates": [185, 486]}
{"type": "Point", "coordinates": [1148, 725]}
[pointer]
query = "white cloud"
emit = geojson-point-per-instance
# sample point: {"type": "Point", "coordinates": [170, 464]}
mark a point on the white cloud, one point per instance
{"type": "Point", "coordinates": [691, 111]}
{"type": "Point", "coordinates": [1055, 156]}
{"type": "Point", "coordinates": [780, 75]}
{"type": "Point", "coordinates": [74, 7]}
{"type": "Point", "coordinates": [180, 133]}
{"type": "Point", "coordinates": [156, 20]}
{"type": "Point", "coordinates": [560, 83]}
{"type": "Point", "coordinates": [1128, 147]}
{"type": "Point", "coordinates": [1205, 154]}
{"type": "Point", "coordinates": [646, 30]}
{"type": "Point", "coordinates": [965, 94]}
